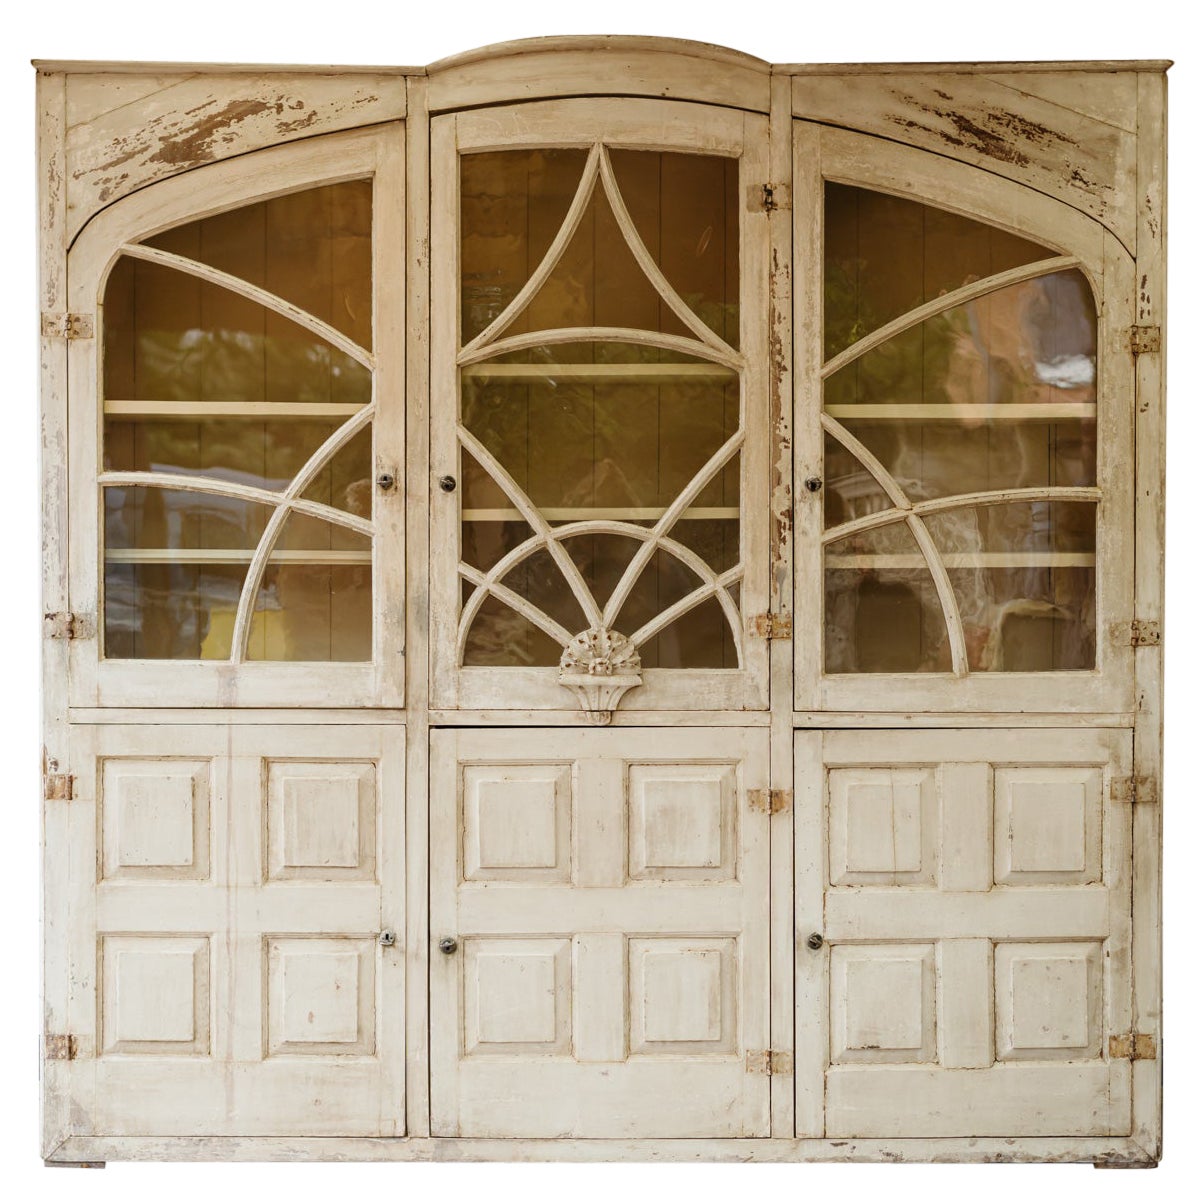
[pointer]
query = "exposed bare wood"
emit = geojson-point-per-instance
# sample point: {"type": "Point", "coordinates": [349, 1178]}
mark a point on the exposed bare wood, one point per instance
{"type": "Point", "coordinates": [968, 414]}
{"type": "Point", "coordinates": [234, 556]}
{"type": "Point", "coordinates": [190, 411]}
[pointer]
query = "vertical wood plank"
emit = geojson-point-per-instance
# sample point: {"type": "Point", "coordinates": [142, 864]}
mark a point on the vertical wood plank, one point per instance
{"type": "Point", "coordinates": [600, 977]}
{"type": "Point", "coordinates": [966, 791]}
{"type": "Point", "coordinates": [781, 600]}
{"type": "Point", "coordinates": [395, 875]}
{"type": "Point", "coordinates": [57, 933]}
{"type": "Point", "coordinates": [811, 972]}
{"type": "Point", "coordinates": [808, 262]}
{"type": "Point", "coordinates": [441, 1107]}
{"type": "Point", "coordinates": [599, 842]}
{"type": "Point", "coordinates": [419, 863]}
{"type": "Point", "coordinates": [964, 990]}
{"type": "Point", "coordinates": [1150, 531]}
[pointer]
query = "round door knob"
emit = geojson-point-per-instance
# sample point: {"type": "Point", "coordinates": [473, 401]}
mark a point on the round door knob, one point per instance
{"type": "Point", "coordinates": [448, 945]}
{"type": "Point", "coordinates": [815, 941]}
{"type": "Point", "coordinates": [388, 938]}
{"type": "Point", "coordinates": [813, 484]}
{"type": "Point", "coordinates": [385, 482]}
{"type": "Point", "coordinates": [447, 484]}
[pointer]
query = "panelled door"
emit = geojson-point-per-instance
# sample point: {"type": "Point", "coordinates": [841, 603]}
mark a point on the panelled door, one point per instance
{"type": "Point", "coordinates": [973, 890]}
{"type": "Point", "coordinates": [236, 967]}
{"type": "Point", "coordinates": [599, 407]}
{"type": "Point", "coordinates": [600, 933]}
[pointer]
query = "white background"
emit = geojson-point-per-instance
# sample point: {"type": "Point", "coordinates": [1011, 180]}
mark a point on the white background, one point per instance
{"type": "Point", "coordinates": [374, 31]}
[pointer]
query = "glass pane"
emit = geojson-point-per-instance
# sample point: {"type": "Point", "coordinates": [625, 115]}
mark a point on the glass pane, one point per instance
{"type": "Point", "coordinates": [175, 562]}
{"type": "Point", "coordinates": [171, 337]}
{"type": "Point", "coordinates": [600, 437]}
{"type": "Point", "coordinates": [313, 248]}
{"type": "Point", "coordinates": [882, 613]}
{"type": "Point", "coordinates": [884, 255]}
{"type": "Point", "coordinates": [513, 203]}
{"type": "Point", "coordinates": [501, 636]}
{"type": "Point", "coordinates": [1024, 577]}
{"type": "Point", "coordinates": [346, 481]}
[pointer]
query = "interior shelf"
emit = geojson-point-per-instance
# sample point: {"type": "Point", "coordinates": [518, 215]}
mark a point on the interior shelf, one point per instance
{"type": "Point", "coordinates": [236, 556]}
{"type": "Point", "coordinates": [962, 560]}
{"type": "Point", "coordinates": [568, 514]}
{"type": "Point", "coordinates": [628, 374]}
{"type": "Point", "coordinates": [259, 411]}
{"type": "Point", "coordinates": [949, 412]}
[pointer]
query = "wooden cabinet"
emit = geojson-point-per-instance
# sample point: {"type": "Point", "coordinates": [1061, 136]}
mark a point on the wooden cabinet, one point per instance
{"type": "Point", "coordinates": [616, 616]}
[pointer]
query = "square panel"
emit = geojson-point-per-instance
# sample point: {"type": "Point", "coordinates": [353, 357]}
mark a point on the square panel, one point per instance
{"type": "Point", "coordinates": [154, 818]}
{"type": "Point", "coordinates": [681, 822]}
{"type": "Point", "coordinates": [517, 823]}
{"type": "Point", "coordinates": [1049, 1001]}
{"type": "Point", "coordinates": [1048, 822]}
{"type": "Point", "coordinates": [321, 820]}
{"type": "Point", "coordinates": [154, 994]}
{"type": "Point", "coordinates": [517, 996]}
{"type": "Point", "coordinates": [682, 995]}
{"type": "Point", "coordinates": [321, 995]}
{"type": "Point", "coordinates": [882, 826]}
{"type": "Point", "coordinates": [883, 1004]}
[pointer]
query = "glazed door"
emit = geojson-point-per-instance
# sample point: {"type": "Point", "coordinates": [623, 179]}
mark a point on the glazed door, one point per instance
{"type": "Point", "coordinates": [599, 408]}
{"type": "Point", "coordinates": [964, 415]}
{"type": "Point", "coordinates": [599, 933]}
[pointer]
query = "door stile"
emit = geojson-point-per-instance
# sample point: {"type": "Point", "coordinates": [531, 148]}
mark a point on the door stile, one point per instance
{"type": "Point", "coordinates": [810, 965]}
{"type": "Point", "coordinates": [808, 267]}
{"type": "Point", "coordinates": [781, 601]}
{"type": "Point", "coordinates": [416, 604]}
{"type": "Point", "coordinates": [1150, 409]}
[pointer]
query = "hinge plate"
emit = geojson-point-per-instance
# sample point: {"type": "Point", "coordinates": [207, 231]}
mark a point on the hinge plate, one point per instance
{"type": "Point", "coordinates": [769, 1061]}
{"type": "Point", "coordinates": [1145, 339]}
{"type": "Point", "coordinates": [59, 786]}
{"type": "Point", "coordinates": [60, 1047]}
{"type": "Point", "coordinates": [765, 198]}
{"type": "Point", "coordinates": [64, 625]}
{"type": "Point", "coordinates": [1133, 1047]}
{"type": "Point", "coordinates": [771, 627]}
{"type": "Point", "coordinates": [771, 802]}
{"type": "Point", "coordinates": [1140, 633]}
{"type": "Point", "coordinates": [67, 326]}
{"type": "Point", "coordinates": [1134, 790]}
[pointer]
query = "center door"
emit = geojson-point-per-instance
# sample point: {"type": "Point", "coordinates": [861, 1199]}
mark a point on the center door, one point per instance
{"type": "Point", "coordinates": [599, 534]}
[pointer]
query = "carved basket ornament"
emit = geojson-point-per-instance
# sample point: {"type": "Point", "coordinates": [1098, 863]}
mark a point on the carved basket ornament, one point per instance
{"type": "Point", "coordinates": [600, 666]}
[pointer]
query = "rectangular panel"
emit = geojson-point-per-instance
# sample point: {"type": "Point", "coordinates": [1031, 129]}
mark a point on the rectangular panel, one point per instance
{"type": "Point", "coordinates": [883, 1003]}
{"type": "Point", "coordinates": [619, 992]}
{"type": "Point", "coordinates": [1048, 825]}
{"type": "Point", "coordinates": [1049, 1001]}
{"type": "Point", "coordinates": [154, 818]}
{"type": "Point", "coordinates": [883, 826]}
{"type": "Point", "coordinates": [321, 820]}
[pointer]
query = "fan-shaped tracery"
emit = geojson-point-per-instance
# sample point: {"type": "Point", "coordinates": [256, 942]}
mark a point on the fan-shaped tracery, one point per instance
{"type": "Point", "coordinates": [889, 399]}
{"type": "Point", "coordinates": [183, 404]}
{"type": "Point", "coordinates": [701, 344]}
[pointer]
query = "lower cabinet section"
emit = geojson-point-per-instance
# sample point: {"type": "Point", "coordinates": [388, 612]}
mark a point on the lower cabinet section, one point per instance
{"type": "Point", "coordinates": [608, 894]}
{"type": "Point", "coordinates": [227, 967]}
{"type": "Point", "coordinates": [622, 923]}
{"type": "Point", "coordinates": [974, 889]}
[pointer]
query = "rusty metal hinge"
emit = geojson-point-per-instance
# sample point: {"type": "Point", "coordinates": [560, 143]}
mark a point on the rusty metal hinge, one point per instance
{"type": "Point", "coordinates": [1134, 790]}
{"type": "Point", "coordinates": [771, 627]}
{"type": "Point", "coordinates": [60, 1047]}
{"type": "Point", "coordinates": [771, 802]}
{"type": "Point", "coordinates": [1144, 339]}
{"type": "Point", "coordinates": [65, 625]}
{"type": "Point", "coordinates": [1140, 633]}
{"type": "Point", "coordinates": [765, 198]}
{"type": "Point", "coordinates": [1133, 1047]}
{"type": "Point", "coordinates": [58, 786]}
{"type": "Point", "coordinates": [769, 1061]}
{"type": "Point", "coordinates": [67, 326]}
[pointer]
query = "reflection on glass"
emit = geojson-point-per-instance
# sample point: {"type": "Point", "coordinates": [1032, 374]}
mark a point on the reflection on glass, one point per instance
{"type": "Point", "coordinates": [995, 394]}
{"type": "Point", "coordinates": [881, 606]}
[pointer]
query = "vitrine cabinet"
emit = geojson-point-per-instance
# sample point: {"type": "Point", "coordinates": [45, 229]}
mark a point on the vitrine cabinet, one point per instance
{"type": "Point", "coordinates": [602, 599]}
